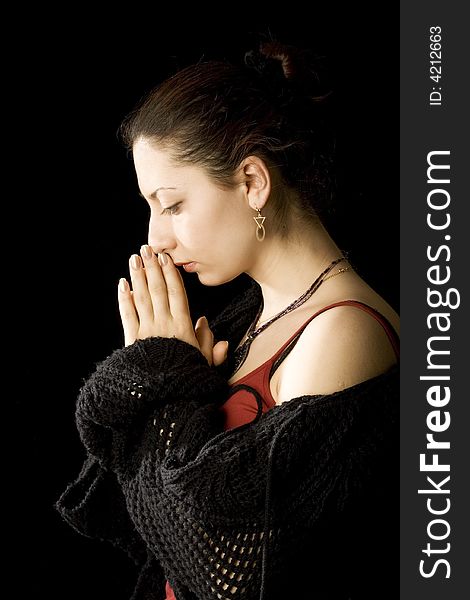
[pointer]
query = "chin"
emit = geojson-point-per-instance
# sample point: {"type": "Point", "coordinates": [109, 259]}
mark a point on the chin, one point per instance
{"type": "Point", "coordinates": [214, 280]}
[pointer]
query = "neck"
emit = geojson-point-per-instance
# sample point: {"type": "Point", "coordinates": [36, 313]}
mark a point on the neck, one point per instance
{"type": "Point", "coordinates": [286, 269]}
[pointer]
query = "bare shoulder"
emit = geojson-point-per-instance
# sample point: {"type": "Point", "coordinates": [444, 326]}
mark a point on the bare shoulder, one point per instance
{"type": "Point", "coordinates": [339, 348]}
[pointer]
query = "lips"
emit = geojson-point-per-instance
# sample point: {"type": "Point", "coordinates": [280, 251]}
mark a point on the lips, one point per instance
{"type": "Point", "coordinates": [190, 267]}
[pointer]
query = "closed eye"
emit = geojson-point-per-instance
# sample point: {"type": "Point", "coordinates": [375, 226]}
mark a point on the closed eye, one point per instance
{"type": "Point", "coordinates": [171, 210]}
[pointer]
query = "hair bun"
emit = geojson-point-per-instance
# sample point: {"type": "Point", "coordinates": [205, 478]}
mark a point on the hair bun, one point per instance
{"type": "Point", "coordinates": [273, 61]}
{"type": "Point", "coordinates": [288, 56]}
{"type": "Point", "coordinates": [293, 70]}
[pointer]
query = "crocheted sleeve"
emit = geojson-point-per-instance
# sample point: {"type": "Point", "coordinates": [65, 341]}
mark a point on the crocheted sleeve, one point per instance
{"type": "Point", "coordinates": [223, 510]}
{"type": "Point", "coordinates": [113, 409]}
{"type": "Point", "coordinates": [116, 402]}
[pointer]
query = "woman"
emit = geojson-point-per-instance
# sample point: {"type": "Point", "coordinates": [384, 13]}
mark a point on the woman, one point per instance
{"type": "Point", "coordinates": [256, 456]}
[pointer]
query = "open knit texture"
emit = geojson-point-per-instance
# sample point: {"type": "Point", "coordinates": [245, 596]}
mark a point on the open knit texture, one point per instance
{"type": "Point", "coordinates": [300, 503]}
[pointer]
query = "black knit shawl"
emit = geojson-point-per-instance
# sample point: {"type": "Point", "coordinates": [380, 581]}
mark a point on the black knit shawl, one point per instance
{"type": "Point", "coordinates": [300, 503]}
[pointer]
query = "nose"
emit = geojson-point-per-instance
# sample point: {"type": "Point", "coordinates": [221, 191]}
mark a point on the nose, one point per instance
{"type": "Point", "coordinates": [160, 233]}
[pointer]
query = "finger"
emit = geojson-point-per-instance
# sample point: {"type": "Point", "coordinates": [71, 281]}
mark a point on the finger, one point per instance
{"type": "Point", "coordinates": [130, 322]}
{"type": "Point", "coordinates": [156, 283]}
{"type": "Point", "coordinates": [177, 299]}
{"type": "Point", "coordinates": [204, 337]}
{"type": "Point", "coordinates": [141, 295]}
{"type": "Point", "coordinates": [219, 353]}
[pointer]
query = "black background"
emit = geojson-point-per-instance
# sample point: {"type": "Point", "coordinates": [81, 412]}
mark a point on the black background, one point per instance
{"type": "Point", "coordinates": [82, 218]}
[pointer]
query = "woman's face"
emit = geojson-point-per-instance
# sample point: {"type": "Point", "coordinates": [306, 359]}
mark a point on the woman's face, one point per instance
{"type": "Point", "coordinates": [192, 219]}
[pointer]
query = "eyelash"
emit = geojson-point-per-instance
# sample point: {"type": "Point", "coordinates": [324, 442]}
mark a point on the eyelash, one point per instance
{"type": "Point", "coordinates": [171, 210]}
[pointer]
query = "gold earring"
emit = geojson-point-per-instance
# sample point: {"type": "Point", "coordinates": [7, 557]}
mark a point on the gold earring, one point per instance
{"type": "Point", "coordinates": [260, 230]}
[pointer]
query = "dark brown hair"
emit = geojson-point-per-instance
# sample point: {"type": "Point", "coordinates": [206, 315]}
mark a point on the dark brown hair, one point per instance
{"type": "Point", "coordinates": [215, 114]}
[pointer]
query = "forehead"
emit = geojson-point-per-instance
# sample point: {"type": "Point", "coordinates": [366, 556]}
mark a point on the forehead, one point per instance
{"type": "Point", "coordinates": [156, 169]}
{"type": "Point", "coordinates": [148, 156]}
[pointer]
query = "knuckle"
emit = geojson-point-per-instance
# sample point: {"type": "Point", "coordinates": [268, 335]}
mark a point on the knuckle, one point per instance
{"type": "Point", "coordinates": [140, 297]}
{"type": "Point", "coordinates": [127, 314]}
{"type": "Point", "coordinates": [156, 289]}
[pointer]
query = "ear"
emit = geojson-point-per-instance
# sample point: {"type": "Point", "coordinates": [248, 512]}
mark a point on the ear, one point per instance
{"type": "Point", "coordinates": [257, 180]}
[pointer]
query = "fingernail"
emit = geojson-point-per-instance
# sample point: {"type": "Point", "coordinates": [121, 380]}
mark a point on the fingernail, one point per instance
{"type": "Point", "coordinates": [135, 261]}
{"type": "Point", "coordinates": [162, 258]}
{"type": "Point", "coordinates": [123, 285]}
{"type": "Point", "coordinates": [147, 251]}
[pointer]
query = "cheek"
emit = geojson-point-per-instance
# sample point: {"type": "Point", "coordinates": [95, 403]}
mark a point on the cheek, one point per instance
{"type": "Point", "coordinates": [218, 226]}
{"type": "Point", "coordinates": [203, 229]}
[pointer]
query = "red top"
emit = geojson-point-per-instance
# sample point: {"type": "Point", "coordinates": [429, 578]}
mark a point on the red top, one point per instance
{"type": "Point", "coordinates": [242, 407]}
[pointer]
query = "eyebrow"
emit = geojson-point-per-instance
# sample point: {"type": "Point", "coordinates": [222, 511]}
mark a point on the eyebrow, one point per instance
{"type": "Point", "coordinates": [154, 196]}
